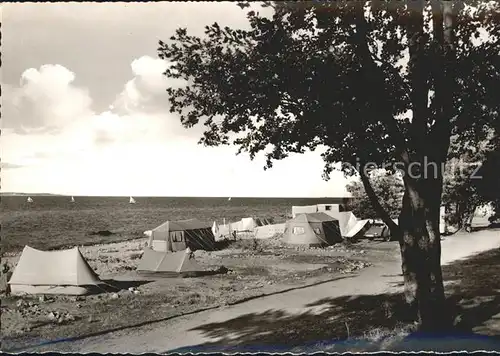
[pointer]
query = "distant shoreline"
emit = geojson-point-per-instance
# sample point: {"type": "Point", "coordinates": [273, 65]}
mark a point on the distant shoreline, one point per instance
{"type": "Point", "coordinates": [160, 196]}
{"type": "Point", "coordinates": [8, 194]}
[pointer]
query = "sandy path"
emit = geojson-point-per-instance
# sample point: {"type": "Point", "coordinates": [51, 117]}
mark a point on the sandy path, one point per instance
{"type": "Point", "coordinates": [179, 332]}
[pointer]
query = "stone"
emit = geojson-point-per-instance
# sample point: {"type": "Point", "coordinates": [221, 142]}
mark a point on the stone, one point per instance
{"type": "Point", "coordinates": [20, 303]}
{"type": "Point", "coordinates": [51, 316]}
{"type": "Point", "coordinates": [114, 296]}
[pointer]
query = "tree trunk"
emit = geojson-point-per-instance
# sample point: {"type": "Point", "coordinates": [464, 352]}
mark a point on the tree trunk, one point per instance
{"type": "Point", "coordinates": [421, 261]}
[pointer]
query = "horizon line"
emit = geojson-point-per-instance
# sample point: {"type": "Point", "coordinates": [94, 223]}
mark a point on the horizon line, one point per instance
{"type": "Point", "coordinates": [178, 196]}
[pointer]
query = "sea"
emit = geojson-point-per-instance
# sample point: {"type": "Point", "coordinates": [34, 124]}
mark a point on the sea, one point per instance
{"type": "Point", "coordinates": [53, 222]}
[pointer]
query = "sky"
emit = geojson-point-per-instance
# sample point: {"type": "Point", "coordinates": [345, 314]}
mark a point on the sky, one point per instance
{"type": "Point", "coordinates": [84, 109]}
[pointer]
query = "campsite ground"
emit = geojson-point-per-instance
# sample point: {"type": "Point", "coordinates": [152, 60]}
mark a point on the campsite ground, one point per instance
{"type": "Point", "coordinates": [363, 305]}
{"type": "Point", "coordinates": [364, 311]}
{"type": "Point", "coordinates": [254, 268]}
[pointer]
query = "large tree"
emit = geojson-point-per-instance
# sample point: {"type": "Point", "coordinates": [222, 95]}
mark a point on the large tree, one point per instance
{"type": "Point", "coordinates": [370, 83]}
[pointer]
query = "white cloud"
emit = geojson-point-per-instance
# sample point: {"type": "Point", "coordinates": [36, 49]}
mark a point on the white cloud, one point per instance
{"type": "Point", "coordinates": [136, 147]}
{"type": "Point", "coordinates": [46, 99]}
{"type": "Point", "coordinates": [146, 91]}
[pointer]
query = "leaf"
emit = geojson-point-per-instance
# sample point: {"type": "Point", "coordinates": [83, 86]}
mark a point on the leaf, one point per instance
{"type": "Point", "coordinates": [243, 4]}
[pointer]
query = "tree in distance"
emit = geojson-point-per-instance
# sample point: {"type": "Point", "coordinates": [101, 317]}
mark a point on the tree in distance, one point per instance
{"type": "Point", "coordinates": [389, 189]}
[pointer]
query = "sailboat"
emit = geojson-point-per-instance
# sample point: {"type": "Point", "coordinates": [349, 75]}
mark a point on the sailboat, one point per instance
{"type": "Point", "coordinates": [29, 200]}
{"type": "Point", "coordinates": [132, 200]}
{"type": "Point", "coordinates": [229, 199]}
{"type": "Point", "coordinates": [72, 199]}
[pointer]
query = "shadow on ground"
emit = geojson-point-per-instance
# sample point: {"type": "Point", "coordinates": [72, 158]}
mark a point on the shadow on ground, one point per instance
{"type": "Point", "coordinates": [370, 323]}
{"type": "Point", "coordinates": [113, 285]}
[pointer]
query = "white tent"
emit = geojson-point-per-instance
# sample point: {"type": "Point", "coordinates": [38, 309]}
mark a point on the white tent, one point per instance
{"type": "Point", "coordinates": [268, 231]}
{"type": "Point", "coordinates": [168, 262]}
{"type": "Point", "coordinates": [216, 230]}
{"type": "Point", "coordinates": [244, 225]}
{"type": "Point", "coordinates": [358, 227]}
{"type": "Point", "coordinates": [347, 220]}
{"type": "Point", "coordinates": [52, 272]}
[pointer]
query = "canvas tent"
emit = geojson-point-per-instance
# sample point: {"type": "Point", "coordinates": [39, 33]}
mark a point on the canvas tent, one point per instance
{"type": "Point", "coordinates": [216, 230]}
{"type": "Point", "coordinates": [53, 272]}
{"type": "Point", "coordinates": [359, 228]}
{"type": "Point", "coordinates": [173, 262]}
{"type": "Point", "coordinates": [244, 225]}
{"type": "Point", "coordinates": [268, 231]}
{"type": "Point", "coordinates": [347, 221]}
{"type": "Point", "coordinates": [178, 235]}
{"type": "Point", "coordinates": [314, 229]}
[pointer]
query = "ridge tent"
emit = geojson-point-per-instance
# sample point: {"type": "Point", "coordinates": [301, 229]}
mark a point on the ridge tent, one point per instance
{"type": "Point", "coordinates": [53, 272]}
{"type": "Point", "coordinates": [178, 235]}
{"type": "Point", "coordinates": [314, 229]}
{"type": "Point", "coordinates": [173, 262]}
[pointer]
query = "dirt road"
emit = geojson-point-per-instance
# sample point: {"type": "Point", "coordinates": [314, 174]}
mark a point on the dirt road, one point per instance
{"type": "Point", "coordinates": [183, 331]}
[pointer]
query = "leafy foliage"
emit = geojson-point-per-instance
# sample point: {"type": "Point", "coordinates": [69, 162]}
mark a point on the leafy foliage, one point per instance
{"type": "Point", "coordinates": [470, 179]}
{"type": "Point", "coordinates": [389, 189]}
{"type": "Point", "coordinates": [378, 82]}
{"type": "Point", "coordinates": [328, 75]}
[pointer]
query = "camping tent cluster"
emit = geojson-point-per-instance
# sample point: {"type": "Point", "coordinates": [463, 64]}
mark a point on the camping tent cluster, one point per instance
{"type": "Point", "coordinates": [67, 272]}
{"type": "Point", "coordinates": [170, 249]}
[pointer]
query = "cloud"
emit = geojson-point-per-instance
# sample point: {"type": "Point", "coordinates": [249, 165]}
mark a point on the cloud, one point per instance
{"type": "Point", "coordinates": [135, 147]}
{"type": "Point", "coordinates": [45, 101]}
{"type": "Point", "coordinates": [146, 92]}
{"type": "Point", "coordinates": [144, 98]}
{"type": "Point", "coordinates": [7, 165]}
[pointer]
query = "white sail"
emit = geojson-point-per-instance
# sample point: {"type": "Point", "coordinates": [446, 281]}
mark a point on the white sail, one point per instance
{"type": "Point", "coordinates": [72, 199]}
{"type": "Point", "coordinates": [29, 200]}
{"type": "Point", "coordinates": [229, 199]}
{"type": "Point", "coordinates": [132, 200]}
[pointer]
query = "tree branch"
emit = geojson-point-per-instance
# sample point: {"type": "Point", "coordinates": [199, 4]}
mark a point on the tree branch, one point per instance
{"type": "Point", "coordinates": [375, 80]}
{"type": "Point", "coordinates": [417, 74]}
{"type": "Point", "coordinates": [375, 202]}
